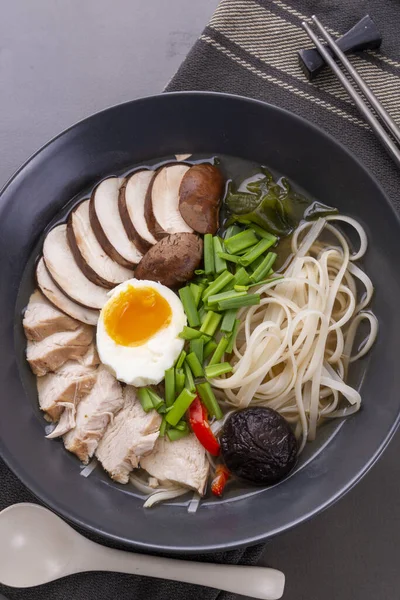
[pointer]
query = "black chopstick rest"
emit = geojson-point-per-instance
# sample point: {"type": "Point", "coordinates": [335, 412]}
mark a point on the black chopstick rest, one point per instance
{"type": "Point", "coordinates": [363, 36]}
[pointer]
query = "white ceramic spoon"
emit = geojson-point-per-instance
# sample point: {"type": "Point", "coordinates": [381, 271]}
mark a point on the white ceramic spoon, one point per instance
{"type": "Point", "coordinates": [36, 547]}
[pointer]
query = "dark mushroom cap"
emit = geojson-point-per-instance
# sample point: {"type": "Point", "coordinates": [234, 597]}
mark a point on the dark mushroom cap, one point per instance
{"type": "Point", "coordinates": [258, 445]}
{"type": "Point", "coordinates": [200, 195]}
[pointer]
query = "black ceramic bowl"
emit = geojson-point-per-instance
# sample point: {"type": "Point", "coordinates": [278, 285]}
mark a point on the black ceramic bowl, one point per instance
{"type": "Point", "coordinates": [111, 142]}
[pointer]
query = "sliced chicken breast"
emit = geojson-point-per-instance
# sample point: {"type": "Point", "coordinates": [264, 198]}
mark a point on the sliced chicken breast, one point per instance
{"type": "Point", "coordinates": [93, 415]}
{"type": "Point", "coordinates": [54, 351]}
{"type": "Point", "coordinates": [91, 358]}
{"type": "Point", "coordinates": [107, 225]}
{"type": "Point", "coordinates": [64, 270]}
{"type": "Point", "coordinates": [183, 462]}
{"type": "Point", "coordinates": [67, 386]}
{"type": "Point", "coordinates": [42, 318]}
{"type": "Point", "coordinates": [60, 300]}
{"type": "Point", "coordinates": [131, 435]}
{"type": "Point", "coordinates": [95, 264]}
{"type": "Point", "coordinates": [131, 201]}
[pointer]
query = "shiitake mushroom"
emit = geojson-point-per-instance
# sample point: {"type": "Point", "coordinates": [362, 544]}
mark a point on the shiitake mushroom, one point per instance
{"type": "Point", "coordinates": [258, 445]}
{"type": "Point", "coordinates": [200, 194]}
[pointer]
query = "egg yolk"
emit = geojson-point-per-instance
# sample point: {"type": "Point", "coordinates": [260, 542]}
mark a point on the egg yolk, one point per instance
{"type": "Point", "coordinates": [136, 315]}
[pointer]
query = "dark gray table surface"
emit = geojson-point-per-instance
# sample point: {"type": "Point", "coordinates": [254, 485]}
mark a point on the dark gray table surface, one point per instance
{"type": "Point", "coordinates": [60, 61]}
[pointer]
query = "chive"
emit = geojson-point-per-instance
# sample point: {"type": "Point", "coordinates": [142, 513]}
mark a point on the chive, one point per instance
{"type": "Point", "coordinates": [216, 357]}
{"type": "Point", "coordinates": [189, 306]}
{"type": "Point", "coordinates": [246, 300]}
{"type": "Point", "coordinates": [209, 348]}
{"type": "Point", "coordinates": [231, 231]}
{"type": "Point", "coordinates": [188, 333]}
{"type": "Point", "coordinates": [181, 404]}
{"type": "Point", "coordinates": [217, 370]}
{"type": "Point", "coordinates": [240, 241]}
{"type": "Point", "coordinates": [196, 291]}
{"type": "Point", "coordinates": [255, 252]}
{"type": "Point", "coordinates": [218, 284]}
{"type": "Point", "coordinates": [175, 435]}
{"type": "Point", "coordinates": [262, 233]}
{"type": "Point", "coordinates": [229, 320]}
{"type": "Point", "coordinates": [163, 427]}
{"type": "Point", "coordinates": [215, 298]}
{"type": "Point", "coordinates": [209, 400]}
{"type": "Point", "coordinates": [265, 267]}
{"type": "Point", "coordinates": [229, 257]}
{"type": "Point", "coordinates": [255, 264]}
{"type": "Point", "coordinates": [220, 263]}
{"type": "Point", "coordinates": [241, 288]}
{"type": "Point", "coordinates": [210, 323]}
{"type": "Point", "coordinates": [233, 336]}
{"type": "Point", "coordinates": [179, 381]}
{"type": "Point", "coordinates": [145, 399]}
{"type": "Point", "coordinates": [182, 426]}
{"type": "Point", "coordinates": [197, 348]}
{"type": "Point", "coordinates": [195, 365]}
{"type": "Point", "coordinates": [189, 381]}
{"type": "Point", "coordinates": [181, 360]}
{"type": "Point", "coordinates": [169, 381]}
{"type": "Point", "coordinates": [155, 398]}
{"type": "Point", "coordinates": [209, 266]}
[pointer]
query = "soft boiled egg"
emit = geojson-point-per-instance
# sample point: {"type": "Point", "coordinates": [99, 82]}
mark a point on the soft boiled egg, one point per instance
{"type": "Point", "coordinates": [137, 332]}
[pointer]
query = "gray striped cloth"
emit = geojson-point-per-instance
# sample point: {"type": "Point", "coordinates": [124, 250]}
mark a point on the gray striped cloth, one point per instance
{"type": "Point", "coordinates": [249, 48]}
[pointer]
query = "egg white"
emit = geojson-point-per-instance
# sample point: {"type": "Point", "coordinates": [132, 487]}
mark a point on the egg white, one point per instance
{"type": "Point", "coordinates": [144, 364]}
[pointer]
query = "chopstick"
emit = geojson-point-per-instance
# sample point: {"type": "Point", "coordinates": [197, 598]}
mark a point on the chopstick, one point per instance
{"type": "Point", "coordinates": [364, 109]}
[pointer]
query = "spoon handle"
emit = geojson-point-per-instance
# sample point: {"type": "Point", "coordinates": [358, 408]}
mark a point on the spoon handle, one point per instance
{"type": "Point", "coordinates": [258, 582]}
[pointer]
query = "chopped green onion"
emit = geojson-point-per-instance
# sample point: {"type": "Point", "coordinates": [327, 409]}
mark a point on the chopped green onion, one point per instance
{"type": "Point", "coordinates": [255, 264]}
{"type": "Point", "coordinates": [233, 336]}
{"type": "Point", "coordinates": [182, 426]}
{"type": "Point", "coordinates": [197, 347]}
{"type": "Point", "coordinates": [231, 231]}
{"type": "Point", "coordinates": [209, 348]}
{"type": "Point", "coordinates": [162, 409]}
{"type": "Point", "coordinates": [244, 251]}
{"type": "Point", "coordinates": [181, 360]}
{"type": "Point", "coordinates": [241, 277]}
{"type": "Point", "coordinates": [246, 300]}
{"type": "Point", "coordinates": [218, 284]}
{"type": "Point", "coordinates": [189, 381]}
{"type": "Point", "coordinates": [216, 357]}
{"type": "Point", "coordinates": [220, 263]}
{"type": "Point", "coordinates": [163, 427]}
{"type": "Point", "coordinates": [255, 252]}
{"type": "Point", "coordinates": [179, 381]}
{"type": "Point", "coordinates": [264, 281]}
{"type": "Point", "coordinates": [169, 381]}
{"type": "Point", "coordinates": [189, 306]}
{"type": "Point", "coordinates": [241, 288]}
{"type": "Point", "coordinates": [145, 399]}
{"type": "Point", "coordinates": [263, 234]}
{"type": "Point", "coordinates": [265, 267]}
{"type": "Point", "coordinates": [175, 435]}
{"type": "Point", "coordinates": [210, 323]}
{"type": "Point", "coordinates": [229, 320]}
{"type": "Point", "coordinates": [197, 291]}
{"type": "Point", "coordinates": [202, 314]}
{"type": "Point", "coordinates": [188, 333]}
{"type": "Point", "coordinates": [195, 365]}
{"type": "Point", "coordinates": [240, 241]}
{"type": "Point", "coordinates": [229, 257]}
{"type": "Point", "coordinates": [215, 298]}
{"type": "Point", "coordinates": [155, 398]}
{"type": "Point", "coordinates": [209, 400]}
{"type": "Point", "coordinates": [180, 406]}
{"type": "Point", "coordinates": [217, 370]}
{"type": "Point", "coordinates": [209, 266]}
{"type": "Point", "coordinates": [199, 272]}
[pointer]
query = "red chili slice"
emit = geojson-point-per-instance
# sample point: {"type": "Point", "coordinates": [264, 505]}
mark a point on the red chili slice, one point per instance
{"type": "Point", "coordinates": [201, 428]}
{"type": "Point", "coordinates": [220, 480]}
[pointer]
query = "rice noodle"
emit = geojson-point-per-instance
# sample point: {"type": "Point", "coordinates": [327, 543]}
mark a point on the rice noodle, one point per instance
{"type": "Point", "coordinates": [293, 350]}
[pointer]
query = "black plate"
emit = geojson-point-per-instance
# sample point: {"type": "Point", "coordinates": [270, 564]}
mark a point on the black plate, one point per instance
{"type": "Point", "coordinates": [111, 142]}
